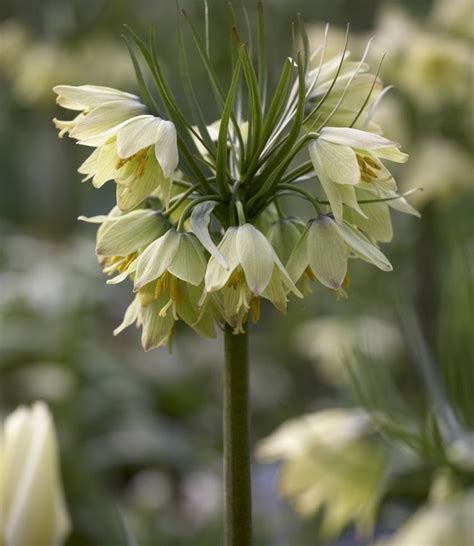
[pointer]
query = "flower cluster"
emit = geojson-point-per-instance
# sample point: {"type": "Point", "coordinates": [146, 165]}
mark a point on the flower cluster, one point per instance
{"type": "Point", "coordinates": [205, 244]}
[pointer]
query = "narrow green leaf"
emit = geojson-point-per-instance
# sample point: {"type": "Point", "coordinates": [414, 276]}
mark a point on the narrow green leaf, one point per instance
{"type": "Point", "coordinates": [193, 101]}
{"type": "Point", "coordinates": [255, 118]}
{"type": "Point", "coordinates": [276, 167]}
{"type": "Point", "coordinates": [333, 83]}
{"type": "Point", "coordinates": [262, 65]}
{"type": "Point", "coordinates": [223, 139]}
{"type": "Point", "coordinates": [369, 94]}
{"type": "Point", "coordinates": [305, 40]}
{"type": "Point", "coordinates": [214, 80]}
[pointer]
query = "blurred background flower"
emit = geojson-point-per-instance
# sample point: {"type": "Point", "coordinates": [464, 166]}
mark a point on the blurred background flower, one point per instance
{"type": "Point", "coordinates": [140, 434]}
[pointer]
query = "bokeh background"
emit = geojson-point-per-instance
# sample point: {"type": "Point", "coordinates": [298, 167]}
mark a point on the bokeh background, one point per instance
{"type": "Point", "coordinates": [140, 433]}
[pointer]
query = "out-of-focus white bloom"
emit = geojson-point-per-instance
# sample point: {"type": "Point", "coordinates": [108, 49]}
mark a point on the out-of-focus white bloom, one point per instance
{"type": "Point", "coordinates": [344, 158]}
{"type": "Point", "coordinates": [329, 465]}
{"type": "Point", "coordinates": [390, 115]}
{"type": "Point", "coordinates": [330, 343]}
{"type": "Point", "coordinates": [441, 169]}
{"type": "Point", "coordinates": [33, 507]}
{"type": "Point", "coordinates": [456, 16]}
{"type": "Point", "coordinates": [334, 428]}
{"type": "Point", "coordinates": [436, 70]}
{"type": "Point", "coordinates": [13, 42]}
{"type": "Point", "coordinates": [336, 39]}
{"type": "Point", "coordinates": [439, 524]}
{"type": "Point", "coordinates": [37, 70]}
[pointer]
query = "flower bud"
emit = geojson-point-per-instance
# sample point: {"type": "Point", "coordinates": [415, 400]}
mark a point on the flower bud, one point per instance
{"type": "Point", "coordinates": [33, 507]}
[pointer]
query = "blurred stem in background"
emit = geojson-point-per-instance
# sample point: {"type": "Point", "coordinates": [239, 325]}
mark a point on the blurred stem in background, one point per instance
{"type": "Point", "coordinates": [238, 503]}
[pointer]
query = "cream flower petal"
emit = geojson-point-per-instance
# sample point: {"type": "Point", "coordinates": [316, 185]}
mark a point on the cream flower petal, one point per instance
{"type": "Point", "coordinates": [156, 258]}
{"type": "Point", "coordinates": [216, 274]}
{"type": "Point", "coordinates": [83, 97]}
{"type": "Point", "coordinates": [98, 123]}
{"type": "Point", "coordinates": [339, 162]}
{"type": "Point", "coordinates": [166, 148]}
{"type": "Point", "coordinates": [256, 257]}
{"type": "Point", "coordinates": [137, 133]}
{"type": "Point", "coordinates": [327, 252]}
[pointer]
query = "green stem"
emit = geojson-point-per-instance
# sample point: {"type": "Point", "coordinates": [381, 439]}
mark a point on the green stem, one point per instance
{"type": "Point", "coordinates": [238, 499]}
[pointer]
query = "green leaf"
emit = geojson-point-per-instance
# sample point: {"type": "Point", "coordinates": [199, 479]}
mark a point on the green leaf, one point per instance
{"type": "Point", "coordinates": [144, 91]}
{"type": "Point", "coordinates": [256, 117]}
{"type": "Point", "coordinates": [328, 92]}
{"type": "Point", "coordinates": [214, 80]}
{"type": "Point", "coordinates": [223, 139]}
{"type": "Point", "coordinates": [261, 64]}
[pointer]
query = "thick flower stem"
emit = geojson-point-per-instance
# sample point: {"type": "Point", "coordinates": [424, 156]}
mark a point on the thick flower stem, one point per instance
{"type": "Point", "coordinates": [238, 499]}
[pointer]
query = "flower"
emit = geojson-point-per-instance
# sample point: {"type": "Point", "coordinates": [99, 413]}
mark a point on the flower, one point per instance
{"type": "Point", "coordinates": [329, 464]}
{"type": "Point", "coordinates": [101, 109]}
{"type": "Point", "coordinates": [354, 87]}
{"type": "Point", "coordinates": [344, 158]}
{"type": "Point", "coordinates": [139, 151]}
{"type": "Point", "coordinates": [122, 236]}
{"type": "Point", "coordinates": [283, 235]}
{"type": "Point", "coordinates": [253, 271]}
{"type": "Point", "coordinates": [323, 250]}
{"type": "Point", "coordinates": [168, 278]}
{"type": "Point", "coordinates": [437, 524]}
{"type": "Point", "coordinates": [33, 507]}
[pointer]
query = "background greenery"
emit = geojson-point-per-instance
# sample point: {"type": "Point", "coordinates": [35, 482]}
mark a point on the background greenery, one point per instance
{"type": "Point", "coordinates": [140, 433]}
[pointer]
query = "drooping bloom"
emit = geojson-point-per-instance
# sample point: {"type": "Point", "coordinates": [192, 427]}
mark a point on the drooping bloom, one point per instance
{"type": "Point", "coordinates": [253, 271]}
{"type": "Point", "coordinates": [33, 510]}
{"type": "Point", "coordinates": [283, 235]}
{"type": "Point", "coordinates": [122, 236]}
{"type": "Point", "coordinates": [100, 109]}
{"type": "Point", "coordinates": [345, 158]}
{"type": "Point", "coordinates": [136, 150]}
{"type": "Point", "coordinates": [324, 248]}
{"type": "Point", "coordinates": [353, 87]}
{"type": "Point", "coordinates": [168, 279]}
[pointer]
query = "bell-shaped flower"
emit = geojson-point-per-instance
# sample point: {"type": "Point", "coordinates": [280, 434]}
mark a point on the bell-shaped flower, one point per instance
{"type": "Point", "coordinates": [344, 158]}
{"type": "Point", "coordinates": [323, 250]}
{"type": "Point", "coordinates": [122, 236]}
{"type": "Point", "coordinates": [141, 155]}
{"type": "Point", "coordinates": [168, 279]}
{"type": "Point", "coordinates": [283, 235]}
{"type": "Point", "coordinates": [33, 510]}
{"type": "Point", "coordinates": [158, 327]}
{"type": "Point", "coordinates": [253, 271]}
{"type": "Point", "coordinates": [101, 109]}
{"type": "Point", "coordinates": [353, 87]}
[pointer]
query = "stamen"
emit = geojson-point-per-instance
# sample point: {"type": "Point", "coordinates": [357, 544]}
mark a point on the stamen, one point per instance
{"type": "Point", "coordinates": [308, 272]}
{"type": "Point", "coordinates": [255, 309]}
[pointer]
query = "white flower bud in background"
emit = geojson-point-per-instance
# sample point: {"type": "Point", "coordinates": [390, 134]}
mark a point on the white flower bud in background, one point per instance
{"type": "Point", "coordinates": [33, 508]}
